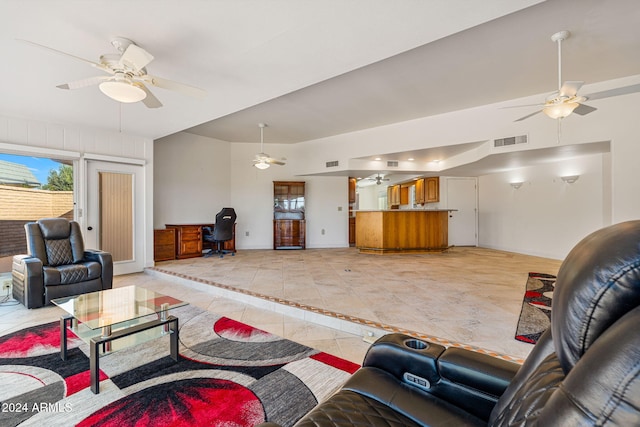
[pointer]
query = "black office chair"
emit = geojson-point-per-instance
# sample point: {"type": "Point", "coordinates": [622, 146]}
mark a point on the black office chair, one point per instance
{"type": "Point", "coordinates": [222, 232]}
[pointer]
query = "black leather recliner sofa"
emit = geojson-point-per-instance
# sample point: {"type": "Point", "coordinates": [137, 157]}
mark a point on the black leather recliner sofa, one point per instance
{"type": "Point", "coordinates": [58, 265]}
{"type": "Point", "coordinates": [584, 370]}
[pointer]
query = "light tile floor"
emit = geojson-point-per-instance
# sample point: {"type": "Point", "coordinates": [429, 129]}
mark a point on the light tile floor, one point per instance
{"type": "Point", "coordinates": [465, 295]}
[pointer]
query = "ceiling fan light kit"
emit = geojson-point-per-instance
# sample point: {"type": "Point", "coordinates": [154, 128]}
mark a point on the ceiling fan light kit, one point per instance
{"type": "Point", "coordinates": [560, 111]}
{"type": "Point", "coordinates": [122, 91]}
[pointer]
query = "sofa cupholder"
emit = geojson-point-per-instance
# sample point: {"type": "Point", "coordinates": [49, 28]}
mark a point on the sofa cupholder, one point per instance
{"type": "Point", "coordinates": [416, 344]}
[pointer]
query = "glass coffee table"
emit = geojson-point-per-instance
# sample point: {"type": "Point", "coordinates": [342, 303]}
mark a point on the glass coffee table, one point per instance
{"type": "Point", "coordinates": [117, 318]}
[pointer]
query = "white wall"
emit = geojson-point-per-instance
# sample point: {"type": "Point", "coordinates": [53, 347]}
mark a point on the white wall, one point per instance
{"type": "Point", "coordinates": [192, 179]}
{"type": "Point", "coordinates": [546, 216]}
{"type": "Point", "coordinates": [32, 137]}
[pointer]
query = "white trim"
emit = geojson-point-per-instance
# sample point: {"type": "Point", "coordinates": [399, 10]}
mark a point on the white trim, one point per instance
{"type": "Point", "coordinates": [38, 151]}
{"type": "Point", "coordinates": [114, 159]}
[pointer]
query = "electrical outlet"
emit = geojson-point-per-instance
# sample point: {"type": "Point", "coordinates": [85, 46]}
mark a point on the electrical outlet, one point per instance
{"type": "Point", "coordinates": [246, 233]}
{"type": "Point", "coordinates": [6, 284]}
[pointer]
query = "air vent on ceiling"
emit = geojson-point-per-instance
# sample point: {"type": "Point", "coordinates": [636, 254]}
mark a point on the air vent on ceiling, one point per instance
{"type": "Point", "coordinates": [332, 164]}
{"type": "Point", "coordinates": [511, 140]}
{"type": "Point", "coordinates": [392, 163]}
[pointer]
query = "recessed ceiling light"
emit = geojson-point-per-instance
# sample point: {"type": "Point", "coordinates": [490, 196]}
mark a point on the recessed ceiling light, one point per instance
{"type": "Point", "coordinates": [411, 159]}
{"type": "Point", "coordinates": [377, 158]}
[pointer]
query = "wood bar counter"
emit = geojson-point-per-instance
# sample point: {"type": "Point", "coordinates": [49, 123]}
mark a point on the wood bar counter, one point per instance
{"type": "Point", "coordinates": [397, 231]}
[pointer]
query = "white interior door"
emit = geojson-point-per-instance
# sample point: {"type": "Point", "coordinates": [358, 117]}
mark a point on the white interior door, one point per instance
{"type": "Point", "coordinates": [463, 223]}
{"type": "Point", "coordinates": [115, 214]}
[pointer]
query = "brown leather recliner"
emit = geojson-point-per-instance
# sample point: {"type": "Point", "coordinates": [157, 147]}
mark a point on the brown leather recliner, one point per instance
{"type": "Point", "coordinates": [58, 265]}
{"type": "Point", "coordinates": [584, 370]}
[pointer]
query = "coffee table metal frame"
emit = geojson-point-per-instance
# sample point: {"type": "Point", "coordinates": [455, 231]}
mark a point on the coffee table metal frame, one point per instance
{"type": "Point", "coordinates": [101, 339]}
{"type": "Point", "coordinates": [104, 341]}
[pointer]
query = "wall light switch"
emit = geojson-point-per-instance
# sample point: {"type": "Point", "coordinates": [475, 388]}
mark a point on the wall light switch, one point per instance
{"type": "Point", "coordinates": [246, 233]}
{"type": "Point", "coordinates": [339, 208]}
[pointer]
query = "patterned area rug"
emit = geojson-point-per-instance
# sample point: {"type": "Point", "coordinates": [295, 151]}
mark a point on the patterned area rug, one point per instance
{"type": "Point", "coordinates": [229, 374]}
{"type": "Point", "coordinates": [535, 317]}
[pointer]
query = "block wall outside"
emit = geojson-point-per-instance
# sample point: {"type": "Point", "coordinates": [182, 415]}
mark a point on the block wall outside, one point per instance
{"type": "Point", "coordinates": [21, 205]}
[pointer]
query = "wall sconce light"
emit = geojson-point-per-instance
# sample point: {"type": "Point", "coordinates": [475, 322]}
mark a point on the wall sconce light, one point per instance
{"type": "Point", "coordinates": [570, 179]}
{"type": "Point", "coordinates": [516, 185]}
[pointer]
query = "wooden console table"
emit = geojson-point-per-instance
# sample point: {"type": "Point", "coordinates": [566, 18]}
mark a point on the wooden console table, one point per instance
{"type": "Point", "coordinates": [189, 243]}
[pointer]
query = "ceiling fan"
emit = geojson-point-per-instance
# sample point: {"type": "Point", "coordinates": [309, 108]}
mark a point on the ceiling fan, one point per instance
{"type": "Point", "coordinates": [262, 159]}
{"type": "Point", "coordinates": [566, 100]}
{"type": "Point", "coordinates": [127, 76]}
{"type": "Point", "coordinates": [378, 179]}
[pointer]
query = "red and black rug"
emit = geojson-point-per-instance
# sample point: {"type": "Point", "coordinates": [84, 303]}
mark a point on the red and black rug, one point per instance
{"type": "Point", "coordinates": [229, 374]}
{"type": "Point", "coordinates": [535, 316]}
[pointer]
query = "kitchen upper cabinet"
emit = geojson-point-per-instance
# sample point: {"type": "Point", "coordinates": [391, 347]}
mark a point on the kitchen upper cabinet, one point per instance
{"type": "Point", "coordinates": [432, 189]}
{"type": "Point", "coordinates": [352, 190]}
{"type": "Point", "coordinates": [427, 190]}
{"type": "Point", "coordinates": [393, 196]}
{"type": "Point", "coordinates": [420, 191]}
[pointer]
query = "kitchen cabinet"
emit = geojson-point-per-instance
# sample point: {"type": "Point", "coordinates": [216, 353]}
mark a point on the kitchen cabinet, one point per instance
{"type": "Point", "coordinates": [432, 189]}
{"type": "Point", "coordinates": [352, 231]}
{"type": "Point", "coordinates": [352, 190]}
{"type": "Point", "coordinates": [402, 231]}
{"type": "Point", "coordinates": [419, 198]}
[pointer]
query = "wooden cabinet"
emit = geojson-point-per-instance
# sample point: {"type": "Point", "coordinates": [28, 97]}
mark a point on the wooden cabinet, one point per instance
{"type": "Point", "coordinates": [288, 215]}
{"type": "Point", "coordinates": [352, 231]}
{"type": "Point", "coordinates": [188, 239]}
{"type": "Point", "coordinates": [432, 189]}
{"type": "Point", "coordinates": [419, 199]}
{"type": "Point", "coordinates": [352, 190]}
{"type": "Point", "coordinates": [164, 244]}
{"type": "Point", "coordinates": [397, 231]}
{"type": "Point", "coordinates": [397, 195]}
{"type": "Point", "coordinates": [427, 190]}
{"type": "Point", "coordinates": [288, 234]}
{"type": "Point", "coordinates": [393, 196]}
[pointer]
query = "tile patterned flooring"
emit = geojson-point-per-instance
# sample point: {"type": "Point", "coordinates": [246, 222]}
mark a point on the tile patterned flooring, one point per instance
{"type": "Point", "coordinates": [329, 298]}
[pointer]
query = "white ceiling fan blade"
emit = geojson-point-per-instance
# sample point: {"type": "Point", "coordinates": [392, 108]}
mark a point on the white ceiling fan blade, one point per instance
{"type": "Point", "coordinates": [570, 88]}
{"type": "Point", "coordinates": [527, 116]}
{"type": "Point", "coordinates": [150, 101]}
{"type": "Point", "coordinates": [93, 64]}
{"type": "Point", "coordinates": [275, 162]}
{"type": "Point", "coordinates": [583, 109]}
{"type": "Point", "coordinates": [614, 92]}
{"type": "Point", "coordinates": [79, 84]}
{"type": "Point", "coordinates": [136, 57]}
{"type": "Point", "coordinates": [175, 86]}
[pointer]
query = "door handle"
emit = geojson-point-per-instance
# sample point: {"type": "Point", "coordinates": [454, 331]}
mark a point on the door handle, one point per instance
{"type": "Point", "coordinates": [89, 228]}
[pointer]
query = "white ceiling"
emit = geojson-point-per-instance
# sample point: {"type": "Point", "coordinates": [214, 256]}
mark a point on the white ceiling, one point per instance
{"type": "Point", "coordinates": [309, 69]}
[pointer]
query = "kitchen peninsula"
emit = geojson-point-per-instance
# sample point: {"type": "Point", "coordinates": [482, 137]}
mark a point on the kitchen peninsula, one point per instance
{"type": "Point", "coordinates": [399, 230]}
